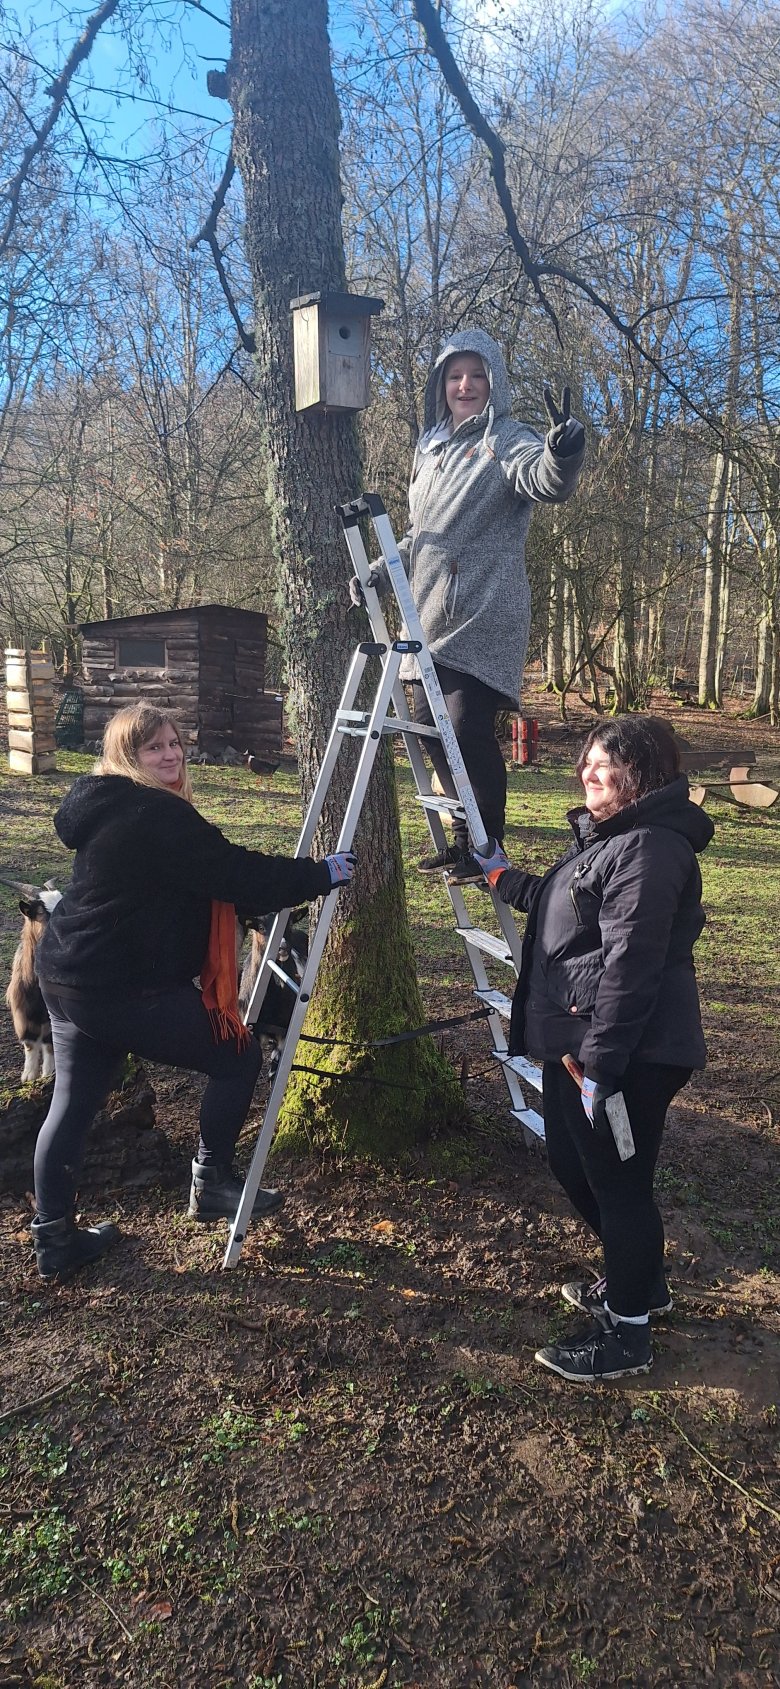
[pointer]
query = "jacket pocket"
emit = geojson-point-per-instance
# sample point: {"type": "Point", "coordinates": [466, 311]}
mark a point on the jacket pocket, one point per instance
{"type": "Point", "coordinates": [572, 982]}
{"type": "Point", "coordinates": [450, 599]}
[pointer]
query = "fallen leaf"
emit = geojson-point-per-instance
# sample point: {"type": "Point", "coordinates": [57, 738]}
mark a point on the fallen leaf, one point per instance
{"type": "Point", "coordinates": [384, 1226]}
{"type": "Point", "coordinates": [161, 1610]}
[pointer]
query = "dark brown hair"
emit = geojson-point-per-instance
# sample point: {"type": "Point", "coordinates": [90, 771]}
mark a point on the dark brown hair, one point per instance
{"type": "Point", "coordinates": [645, 745]}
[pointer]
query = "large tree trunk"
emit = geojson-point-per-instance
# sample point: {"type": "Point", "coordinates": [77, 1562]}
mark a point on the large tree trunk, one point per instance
{"type": "Point", "coordinates": [286, 147]}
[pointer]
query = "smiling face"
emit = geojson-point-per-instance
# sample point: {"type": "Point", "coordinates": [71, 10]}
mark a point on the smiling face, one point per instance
{"type": "Point", "coordinates": [162, 755]}
{"type": "Point", "coordinates": [466, 386]}
{"type": "Point", "coordinates": [603, 777]}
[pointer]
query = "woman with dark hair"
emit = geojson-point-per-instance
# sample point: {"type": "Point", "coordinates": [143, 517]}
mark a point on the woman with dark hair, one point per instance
{"type": "Point", "coordinates": [607, 978]}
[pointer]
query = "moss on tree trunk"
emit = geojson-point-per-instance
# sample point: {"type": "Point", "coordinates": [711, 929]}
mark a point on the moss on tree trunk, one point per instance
{"type": "Point", "coordinates": [391, 1098]}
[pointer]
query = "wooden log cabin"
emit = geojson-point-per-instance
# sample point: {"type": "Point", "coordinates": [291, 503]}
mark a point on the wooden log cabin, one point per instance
{"type": "Point", "coordinates": [205, 664]}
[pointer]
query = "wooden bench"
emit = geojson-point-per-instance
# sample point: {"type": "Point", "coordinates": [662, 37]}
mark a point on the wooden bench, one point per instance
{"type": "Point", "coordinates": [732, 766]}
{"type": "Point", "coordinates": [685, 690]}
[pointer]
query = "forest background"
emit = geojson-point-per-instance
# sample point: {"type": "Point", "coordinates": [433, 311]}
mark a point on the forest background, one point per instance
{"type": "Point", "coordinates": [641, 149]}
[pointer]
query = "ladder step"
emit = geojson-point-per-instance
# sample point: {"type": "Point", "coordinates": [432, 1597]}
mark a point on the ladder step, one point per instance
{"type": "Point", "coordinates": [486, 941]}
{"type": "Point", "coordinates": [529, 1117]}
{"type": "Point", "coordinates": [444, 806]}
{"type": "Point", "coordinates": [355, 722]}
{"type": "Point", "coordinates": [394, 724]}
{"type": "Point", "coordinates": [524, 1069]}
{"type": "Point", "coordinates": [496, 1000]}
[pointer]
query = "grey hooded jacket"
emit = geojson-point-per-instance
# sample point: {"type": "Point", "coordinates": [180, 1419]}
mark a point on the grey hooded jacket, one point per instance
{"type": "Point", "coordinates": [470, 505]}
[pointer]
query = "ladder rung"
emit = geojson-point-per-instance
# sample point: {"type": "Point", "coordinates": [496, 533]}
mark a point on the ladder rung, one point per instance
{"type": "Point", "coordinates": [529, 1117]}
{"type": "Point", "coordinates": [445, 806]}
{"type": "Point", "coordinates": [496, 1000]}
{"type": "Point", "coordinates": [394, 724]}
{"type": "Point", "coordinates": [486, 941]}
{"type": "Point", "coordinates": [524, 1069]}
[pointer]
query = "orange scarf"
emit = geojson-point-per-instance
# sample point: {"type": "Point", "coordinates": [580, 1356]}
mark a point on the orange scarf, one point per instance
{"type": "Point", "coordinates": [219, 977]}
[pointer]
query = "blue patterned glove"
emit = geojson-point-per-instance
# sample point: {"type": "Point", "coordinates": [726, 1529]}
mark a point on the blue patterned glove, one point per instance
{"type": "Point", "coordinates": [493, 861]}
{"type": "Point", "coordinates": [594, 1101]}
{"type": "Point", "coordinates": [341, 867]}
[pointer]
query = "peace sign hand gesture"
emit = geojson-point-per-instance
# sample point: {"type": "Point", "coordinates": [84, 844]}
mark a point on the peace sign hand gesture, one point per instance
{"type": "Point", "coordinates": [567, 436]}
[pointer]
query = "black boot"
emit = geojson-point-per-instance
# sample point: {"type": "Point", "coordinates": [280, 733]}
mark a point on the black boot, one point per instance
{"type": "Point", "coordinates": [61, 1248]}
{"type": "Point", "coordinates": [215, 1193]}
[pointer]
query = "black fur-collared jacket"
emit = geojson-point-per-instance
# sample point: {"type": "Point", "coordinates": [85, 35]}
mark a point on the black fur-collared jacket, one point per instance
{"type": "Point", "coordinates": [607, 970]}
{"type": "Point", "coordinates": [137, 913]}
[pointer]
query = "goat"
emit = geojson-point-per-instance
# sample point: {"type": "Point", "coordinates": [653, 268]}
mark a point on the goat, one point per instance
{"type": "Point", "coordinates": [24, 999]}
{"type": "Point", "coordinates": [277, 1005]}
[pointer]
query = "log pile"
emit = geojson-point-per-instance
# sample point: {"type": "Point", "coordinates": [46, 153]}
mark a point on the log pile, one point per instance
{"type": "Point", "coordinates": [29, 678]}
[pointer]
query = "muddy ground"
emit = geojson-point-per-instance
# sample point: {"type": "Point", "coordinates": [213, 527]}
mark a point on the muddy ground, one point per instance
{"type": "Point", "coordinates": [339, 1465]}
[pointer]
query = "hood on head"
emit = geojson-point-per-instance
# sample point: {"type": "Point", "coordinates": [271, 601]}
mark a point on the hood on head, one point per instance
{"type": "Point", "coordinates": [92, 799]}
{"type": "Point", "coordinates": [486, 348]}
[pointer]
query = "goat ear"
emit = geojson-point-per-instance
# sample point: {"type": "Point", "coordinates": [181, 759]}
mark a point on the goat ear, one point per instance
{"type": "Point", "coordinates": [29, 907]}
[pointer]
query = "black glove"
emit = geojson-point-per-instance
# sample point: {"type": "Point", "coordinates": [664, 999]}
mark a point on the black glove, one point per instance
{"type": "Point", "coordinates": [567, 436]}
{"type": "Point", "coordinates": [594, 1101]}
{"type": "Point", "coordinates": [356, 593]}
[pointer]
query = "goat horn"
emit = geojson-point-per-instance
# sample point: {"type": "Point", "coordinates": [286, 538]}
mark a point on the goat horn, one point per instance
{"type": "Point", "coordinates": [23, 887]}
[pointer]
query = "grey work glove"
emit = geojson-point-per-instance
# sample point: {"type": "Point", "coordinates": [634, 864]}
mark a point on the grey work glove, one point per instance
{"type": "Point", "coordinates": [341, 867]}
{"type": "Point", "coordinates": [567, 436]}
{"type": "Point", "coordinates": [356, 594]}
{"type": "Point", "coordinates": [492, 860]}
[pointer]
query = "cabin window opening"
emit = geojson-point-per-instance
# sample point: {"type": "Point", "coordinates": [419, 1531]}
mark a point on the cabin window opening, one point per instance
{"type": "Point", "coordinates": [135, 653]}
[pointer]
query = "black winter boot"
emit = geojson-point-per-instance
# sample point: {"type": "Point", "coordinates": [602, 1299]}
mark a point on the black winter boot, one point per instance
{"type": "Point", "coordinates": [61, 1248]}
{"type": "Point", "coordinates": [215, 1193]}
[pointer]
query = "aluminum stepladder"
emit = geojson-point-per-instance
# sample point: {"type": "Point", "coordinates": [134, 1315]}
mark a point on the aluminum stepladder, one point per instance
{"type": "Point", "coordinates": [371, 725]}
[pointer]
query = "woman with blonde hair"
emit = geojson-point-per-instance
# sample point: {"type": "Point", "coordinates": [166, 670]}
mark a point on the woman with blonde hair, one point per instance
{"type": "Point", "coordinates": [140, 955]}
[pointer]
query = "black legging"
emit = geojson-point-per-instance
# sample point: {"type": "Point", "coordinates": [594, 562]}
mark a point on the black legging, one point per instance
{"type": "Point", "coordinates": [614, 1197]}
{"type": "Point", "coordinates": [473, 708]}
{"type": "Point", "coordinates": [92, 1035]}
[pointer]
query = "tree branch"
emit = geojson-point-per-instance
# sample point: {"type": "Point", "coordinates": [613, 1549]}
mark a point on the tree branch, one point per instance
{"type": "Point", "coordinates": [58, 92]}
{"type": "Point", "coordinates": [430, 23]}
{"type": "Point", "coordinates": [208, 234]}
{"type": "Point", "coordinates": [437, 41]}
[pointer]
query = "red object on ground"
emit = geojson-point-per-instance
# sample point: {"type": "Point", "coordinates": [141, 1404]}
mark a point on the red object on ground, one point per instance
{"type": "Point", "coordinates": [525, 737]}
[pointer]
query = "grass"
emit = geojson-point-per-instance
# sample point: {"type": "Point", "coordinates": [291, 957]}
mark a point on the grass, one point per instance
{"type": "Point", "coordinates": [738, 948]}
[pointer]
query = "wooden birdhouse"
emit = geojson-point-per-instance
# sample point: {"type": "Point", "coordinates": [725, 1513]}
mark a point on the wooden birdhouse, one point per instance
{"type": "Point", "coordinates": [332, 349]}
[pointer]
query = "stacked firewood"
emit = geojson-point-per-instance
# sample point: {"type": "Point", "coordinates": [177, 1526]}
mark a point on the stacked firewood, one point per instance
{"type": "Point", "coordinates": [29, 678]}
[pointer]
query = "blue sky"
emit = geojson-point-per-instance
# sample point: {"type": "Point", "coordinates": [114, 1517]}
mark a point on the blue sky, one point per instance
{"type": "Point", "coordinates": [179, 44]}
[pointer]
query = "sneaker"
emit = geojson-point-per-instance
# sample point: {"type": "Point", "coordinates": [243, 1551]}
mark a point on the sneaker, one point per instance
{"type": "Point", "coordinates": [215, 1194]}
{"type": "Point", "coordinates": [435, 864]}
{"type": "Point", "coordinates": [591, 1298]}
{"type": "Point", "coordinates": [606, 1351]}
{"type": "Point", "coordinates": [61, 1248]}
{"type": "Point", "coordinates": [465, 872]}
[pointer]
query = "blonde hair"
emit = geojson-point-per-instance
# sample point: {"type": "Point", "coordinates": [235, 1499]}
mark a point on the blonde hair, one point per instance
{"type": "Point", "coordinates": [123, 737]}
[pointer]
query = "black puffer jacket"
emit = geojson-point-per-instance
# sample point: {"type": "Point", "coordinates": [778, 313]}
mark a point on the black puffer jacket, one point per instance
{"type": "Point", "coordinates": [607, 970]}
{"type": "Point", "coordinates": [137, 913]}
